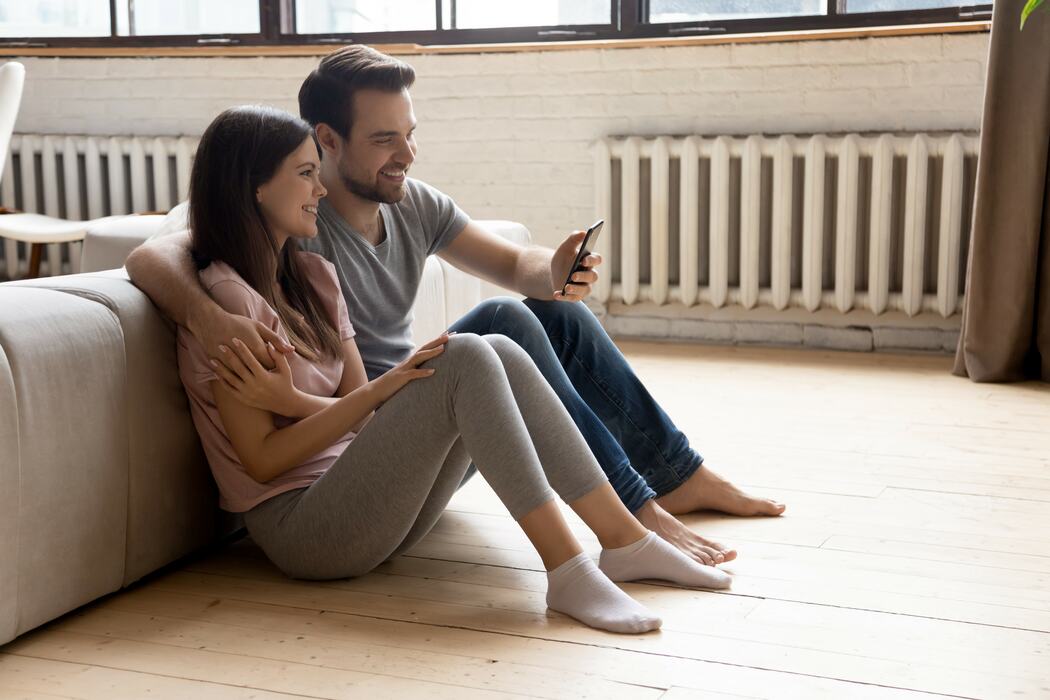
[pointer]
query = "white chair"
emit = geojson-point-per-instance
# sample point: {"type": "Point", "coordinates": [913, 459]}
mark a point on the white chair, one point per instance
{"type": "Point", "coordinates": [37, 230]}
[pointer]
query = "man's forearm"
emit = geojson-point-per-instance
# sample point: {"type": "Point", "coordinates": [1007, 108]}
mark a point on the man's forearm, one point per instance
{"type": "Point", "coordinates": [164, 270]}
{"type": "Point", "coordinates": [533, 278]}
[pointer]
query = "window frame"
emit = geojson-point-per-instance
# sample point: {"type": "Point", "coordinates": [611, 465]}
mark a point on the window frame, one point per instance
{"type": "Point", "coordinates": [277, 22]}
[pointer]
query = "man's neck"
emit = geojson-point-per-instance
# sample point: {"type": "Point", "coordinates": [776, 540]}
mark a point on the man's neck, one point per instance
{"type": "Point", "coordinates": [361, 214]}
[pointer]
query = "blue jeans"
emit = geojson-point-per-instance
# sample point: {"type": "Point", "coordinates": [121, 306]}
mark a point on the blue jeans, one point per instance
{"type": "Point", "coordinates": [642, 452]}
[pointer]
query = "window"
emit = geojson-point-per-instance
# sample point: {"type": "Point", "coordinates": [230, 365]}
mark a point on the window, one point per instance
{"type": "Point", "coordinates": [54, 18]}
{"type": "Point", "coordinates": [662, 11]}
{"type": "Point", "coordinates": [275, 22]}
{"type": "Point", "coordinates": [163, 17]}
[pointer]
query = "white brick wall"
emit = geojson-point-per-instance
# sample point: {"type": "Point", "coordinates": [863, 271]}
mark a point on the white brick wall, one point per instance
{"type": "Point", "coordinates": [508, 135]}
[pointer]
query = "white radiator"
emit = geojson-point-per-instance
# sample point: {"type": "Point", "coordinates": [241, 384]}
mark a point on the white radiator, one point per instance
{"type": "Point", "coordinates": [877, 222]}
{"type": "Point", "coordinates": [85, 177]}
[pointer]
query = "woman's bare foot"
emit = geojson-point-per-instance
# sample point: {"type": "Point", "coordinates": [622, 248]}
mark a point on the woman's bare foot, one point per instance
{"type": "Point", "coordinates": [706, 490]}
{"type": "Point", "coordinates": [674, 531]}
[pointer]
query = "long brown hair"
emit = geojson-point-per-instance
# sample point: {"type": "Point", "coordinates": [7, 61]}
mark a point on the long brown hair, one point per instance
{"type": "Point", "coordinates": [240, 151]}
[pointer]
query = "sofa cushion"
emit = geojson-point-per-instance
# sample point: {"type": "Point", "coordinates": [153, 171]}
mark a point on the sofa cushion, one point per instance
{"type": "Point", "coordinates": [10, 484]}
{"type": "Point", "coordinates": [65, 359]}
{"type": "Point", "coordinates": [172, 506]}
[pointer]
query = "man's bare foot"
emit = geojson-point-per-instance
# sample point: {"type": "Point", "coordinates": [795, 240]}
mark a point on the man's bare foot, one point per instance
{"type": "Point", "coordinates": [674, 531]}
{"type": "Point", "coordinates": [706, 490]}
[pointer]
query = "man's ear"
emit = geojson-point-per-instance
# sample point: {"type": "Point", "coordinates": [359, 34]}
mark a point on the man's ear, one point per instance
{"type": "Point", "coordinates": [328, 138]}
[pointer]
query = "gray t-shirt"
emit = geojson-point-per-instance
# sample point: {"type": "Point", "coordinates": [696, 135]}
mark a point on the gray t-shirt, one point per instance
{"type": "Point", "coordinates": [380, 282]}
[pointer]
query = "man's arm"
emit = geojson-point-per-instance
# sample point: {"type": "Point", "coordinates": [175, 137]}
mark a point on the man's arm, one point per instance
{"type": "Point", "coordinates": [531, 270]}
{"type": "Point", "coordinates": [163, 268]}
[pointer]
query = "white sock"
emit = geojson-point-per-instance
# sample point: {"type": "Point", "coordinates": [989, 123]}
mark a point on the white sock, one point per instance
{"type": "Point", "coordinates": [654, 557]}
{"type": "Point", "coordinates": [578, 589]}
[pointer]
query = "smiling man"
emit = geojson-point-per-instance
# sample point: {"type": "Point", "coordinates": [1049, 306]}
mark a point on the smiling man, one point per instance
{"type": "Point", "coordinates": [378, 226]}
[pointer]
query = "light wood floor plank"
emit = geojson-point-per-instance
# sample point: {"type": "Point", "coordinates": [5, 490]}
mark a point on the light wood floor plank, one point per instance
{"type": "Point", "coordinates": [29, 677]}
{"type": "Point", "coordinates": [981, 668]}
{"type": "Point", "coordinates": [624, 666]}
{"type": "Point", "coordinates": [913, 561]}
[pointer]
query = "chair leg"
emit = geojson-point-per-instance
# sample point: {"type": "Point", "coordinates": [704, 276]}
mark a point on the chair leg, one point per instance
{"type": "Point", "coordinates": [35, 251]}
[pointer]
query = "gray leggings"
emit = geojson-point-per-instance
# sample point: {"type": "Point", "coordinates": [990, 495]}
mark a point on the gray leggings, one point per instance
{"type": "Point", "coordinates": [487, 402]}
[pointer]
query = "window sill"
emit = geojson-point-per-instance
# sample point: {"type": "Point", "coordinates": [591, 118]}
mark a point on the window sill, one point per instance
{"type": "Point", "coordinates": [415, 49]}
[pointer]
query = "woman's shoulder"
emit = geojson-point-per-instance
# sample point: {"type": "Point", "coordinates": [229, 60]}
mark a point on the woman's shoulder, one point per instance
{"type": "Point", "coordinates": [231, 292]}
{"type": "Point", "coordinates": [319, 270]}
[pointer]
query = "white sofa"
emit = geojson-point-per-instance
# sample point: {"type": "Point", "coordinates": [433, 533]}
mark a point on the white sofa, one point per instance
{"type": "Point", "coordinates": [102, 479]}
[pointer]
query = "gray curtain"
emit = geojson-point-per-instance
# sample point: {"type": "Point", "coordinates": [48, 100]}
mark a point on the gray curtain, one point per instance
{"type": "Point", "coordinates": [1006, 315]}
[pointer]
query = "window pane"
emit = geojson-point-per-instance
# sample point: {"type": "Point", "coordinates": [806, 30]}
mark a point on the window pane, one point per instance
{"type": "Point", "coordinates": [479, 14]}
{"type": "Point", "coordinates": [895, 5]}
{"type": "Point", "coordinates": [158, 17]}
{"type": "Point", "coordinates": [701, 10]}
{"type": "Point", "coordinates": [19, 18]}
{"type": "Point", "coordinates": [357, 16]}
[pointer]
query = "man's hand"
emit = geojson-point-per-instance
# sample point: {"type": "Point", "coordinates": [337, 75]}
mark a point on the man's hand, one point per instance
{"type": "Point", "coordinates": [222, 328]}
{"type": "Point", "coordinates": [582, 280]}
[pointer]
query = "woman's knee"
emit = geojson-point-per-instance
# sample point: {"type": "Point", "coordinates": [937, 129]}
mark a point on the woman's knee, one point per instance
{"type": "Point", "coordinates": [469, 352]}
{"type": "Point", "coordinates": [508, 350]}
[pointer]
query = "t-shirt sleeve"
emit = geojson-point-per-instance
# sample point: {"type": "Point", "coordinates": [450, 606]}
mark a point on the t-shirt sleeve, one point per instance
{"type": "Point", "coordinates": [441, 217]}
{"type": "Point", "coordinates": [236, 298]}
{"type": "Point", "coordinates": [325, 279]}
{"type": "Point", "coordinates": [342, 315]}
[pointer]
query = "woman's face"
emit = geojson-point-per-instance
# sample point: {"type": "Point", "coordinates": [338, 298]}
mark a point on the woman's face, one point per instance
{"type": "Point", "coordinates": [289, 199]}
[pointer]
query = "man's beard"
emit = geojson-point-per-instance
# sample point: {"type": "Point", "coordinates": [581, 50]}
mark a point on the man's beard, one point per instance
{"type": "Point", "coordinates": [368, 191]}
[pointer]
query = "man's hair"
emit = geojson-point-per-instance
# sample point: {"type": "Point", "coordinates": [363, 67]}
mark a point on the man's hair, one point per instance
{"type": "Point", "coordinates": [327, 94]}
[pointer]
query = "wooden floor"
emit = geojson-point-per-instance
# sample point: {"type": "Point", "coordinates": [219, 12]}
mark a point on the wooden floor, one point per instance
{"type": "Point", "coordinates": [913, 560]}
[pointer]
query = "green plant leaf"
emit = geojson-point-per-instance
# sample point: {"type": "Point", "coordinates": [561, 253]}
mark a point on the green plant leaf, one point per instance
{"type": "Point", "coordinates": [1029, 8]}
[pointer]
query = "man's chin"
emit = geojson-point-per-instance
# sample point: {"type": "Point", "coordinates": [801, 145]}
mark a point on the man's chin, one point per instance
{"type": "Point", "coordinates": [386, 195]}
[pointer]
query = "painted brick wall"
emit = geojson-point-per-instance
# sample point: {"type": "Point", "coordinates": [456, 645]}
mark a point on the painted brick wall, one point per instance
{"type": "Point", "coordinates": [509, 134]}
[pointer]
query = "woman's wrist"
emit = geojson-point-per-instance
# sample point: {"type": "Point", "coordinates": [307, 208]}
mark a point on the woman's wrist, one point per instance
{"type": "Point", "coordinates": [300, 404]}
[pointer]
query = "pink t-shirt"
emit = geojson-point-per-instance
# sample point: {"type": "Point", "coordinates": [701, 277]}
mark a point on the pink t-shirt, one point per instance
{"type": "Point", "coordinates": [239, 492]}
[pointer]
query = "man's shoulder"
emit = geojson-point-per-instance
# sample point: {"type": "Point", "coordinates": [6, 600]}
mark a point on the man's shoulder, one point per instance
{"type": "Point", "coordinates": [421, 195]}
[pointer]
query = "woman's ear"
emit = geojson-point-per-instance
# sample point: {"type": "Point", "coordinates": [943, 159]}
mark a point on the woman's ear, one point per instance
{"type": "Point", "coordinates": [258, 196]}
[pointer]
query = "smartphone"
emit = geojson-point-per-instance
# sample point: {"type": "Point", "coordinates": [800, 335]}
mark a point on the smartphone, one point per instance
{"type": "Point", "coordinates": [577, 264]}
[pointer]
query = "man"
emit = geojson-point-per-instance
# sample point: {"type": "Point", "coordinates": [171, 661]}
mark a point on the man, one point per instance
{"type": "Point", "coordinates": [377, 227]}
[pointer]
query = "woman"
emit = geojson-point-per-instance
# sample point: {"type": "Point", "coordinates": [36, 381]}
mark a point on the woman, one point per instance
{"type": "Point", "coordinates": [336, 474]}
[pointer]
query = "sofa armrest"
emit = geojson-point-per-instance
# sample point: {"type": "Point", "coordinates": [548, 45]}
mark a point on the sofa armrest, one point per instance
{"type": "Point", "coordinates": [462, 291]}
{"type": "Point", "coordinates": [108, 244]}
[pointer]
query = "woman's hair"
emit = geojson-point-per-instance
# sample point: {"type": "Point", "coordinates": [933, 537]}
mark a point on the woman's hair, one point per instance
{"type": "Point", "coordinates": [241, 150]}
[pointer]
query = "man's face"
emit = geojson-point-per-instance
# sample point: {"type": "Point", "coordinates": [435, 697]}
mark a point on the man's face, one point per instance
{"type": "Point", "coordinates": [381, 146]}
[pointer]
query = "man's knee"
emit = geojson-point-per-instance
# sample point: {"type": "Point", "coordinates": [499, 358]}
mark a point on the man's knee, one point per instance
{"type": "Point", "coordinates": [561, 314]}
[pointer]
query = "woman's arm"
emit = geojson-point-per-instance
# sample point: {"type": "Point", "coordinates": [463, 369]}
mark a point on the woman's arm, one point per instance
{"type": "Point", "coordinates": [273, 392]}
{"type": "Point", "coordinates": [267, 451]}
{"type": "Point", "coordinates": [354, 376]}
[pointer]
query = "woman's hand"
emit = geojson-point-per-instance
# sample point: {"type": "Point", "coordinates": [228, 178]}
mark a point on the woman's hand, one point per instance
{"type": "Point", "coordinates": [221, 328]}
{"type": "Point", "coordinates": [393, 381]}
{"type": "Point", "coordinates": [253, 384]}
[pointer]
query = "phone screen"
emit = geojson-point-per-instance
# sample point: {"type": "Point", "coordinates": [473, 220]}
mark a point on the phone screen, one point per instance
{"type": "Point", "coordinates": [592, 235]}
